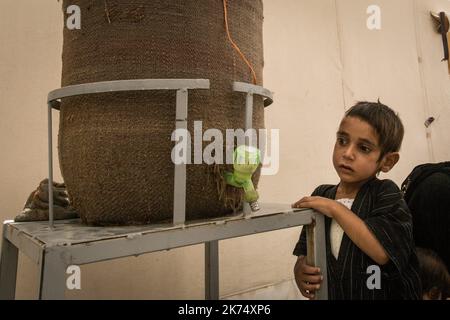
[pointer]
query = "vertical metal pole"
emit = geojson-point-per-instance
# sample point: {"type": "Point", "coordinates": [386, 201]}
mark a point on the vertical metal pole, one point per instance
{"type": "Point", "coordinates": [40, 271]}
{"type": "Point", "coordinates": [249, 112]}
{"type": "Point", "coordinates": [212, 270]}
{"type": "Point", "coordinates": [179, 201]}
{"type": "Point", "coordinates": [247, 209]}
{"type": "Point", "coordinates": [50, 166]}
{"type": "Point", "coordinates": [320, 255]}
{"type": "Point", "coordinates": [310, 244]}
{"type": "Point", "coordinates": [248, 126]}
{"type": "Point", "coordinates": [53, 281]}
{"type": "Point", "coordinates": [8, 268]}
{"type": "Point", "coordinates": [317, 255]}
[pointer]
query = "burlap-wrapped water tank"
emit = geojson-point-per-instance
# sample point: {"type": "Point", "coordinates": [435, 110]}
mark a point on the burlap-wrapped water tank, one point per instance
{"type": "Point", "coordinates": [115, 148]}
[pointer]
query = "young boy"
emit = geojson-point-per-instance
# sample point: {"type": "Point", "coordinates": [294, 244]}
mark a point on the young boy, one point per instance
{"type": "Point", "coordinates": [367, 221]}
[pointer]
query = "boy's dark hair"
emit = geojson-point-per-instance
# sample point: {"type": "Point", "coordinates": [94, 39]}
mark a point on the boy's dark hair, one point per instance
{"type": "Point", "coordinates": [384, 120]}
{"type": "Point", "coordinates": [433, 274]}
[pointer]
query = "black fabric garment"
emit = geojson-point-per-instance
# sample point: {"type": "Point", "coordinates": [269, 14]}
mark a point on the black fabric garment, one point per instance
{"type": "Point", "coordinates": [380, 204]}
{"type": "Point", "coordinates": [429, 204]}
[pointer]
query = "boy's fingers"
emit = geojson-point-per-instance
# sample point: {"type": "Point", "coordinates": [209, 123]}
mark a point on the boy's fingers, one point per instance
{"type": "Point", "coordinates": [312, 279]}
{"type": "Point", "coordinates": [309, 269]}
{"type": "Point", "coordinates": [307, 294]}
{"type": "Point", "coordinates": [295, 204]}
{"type": "Point", "coordinates": [302, 267]}
{"type": "Point", "coordinates": [310, 287]}
{"type": "Point", "coordinates": [305, 204]}
{"type": "Point", "coordinates": [299, 203]}
{"type": "Point", "coordinates": [299, 283]}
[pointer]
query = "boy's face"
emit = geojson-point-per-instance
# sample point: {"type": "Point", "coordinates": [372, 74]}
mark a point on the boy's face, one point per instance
{"type": "Point", "coordinates": [356, 152]}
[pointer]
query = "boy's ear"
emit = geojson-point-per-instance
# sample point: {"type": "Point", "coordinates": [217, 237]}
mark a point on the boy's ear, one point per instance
{"type": "Point", "coordinates": [389, 161]}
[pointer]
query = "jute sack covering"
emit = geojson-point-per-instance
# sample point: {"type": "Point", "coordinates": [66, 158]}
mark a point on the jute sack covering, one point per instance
{"type": "Point", "coordinates": [115, 148]}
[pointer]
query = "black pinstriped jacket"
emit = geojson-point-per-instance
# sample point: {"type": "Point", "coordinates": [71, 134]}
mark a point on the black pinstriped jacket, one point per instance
{"type": "Point", "coordinates": [380, 204]}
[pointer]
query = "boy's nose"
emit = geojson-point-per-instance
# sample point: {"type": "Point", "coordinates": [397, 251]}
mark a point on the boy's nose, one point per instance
{"type": "Point", "coordinates": [349, 153]}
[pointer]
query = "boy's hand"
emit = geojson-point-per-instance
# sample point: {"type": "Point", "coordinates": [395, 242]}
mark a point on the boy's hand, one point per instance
{"type": "Point", "coordinates": [308, 278]}
{"type": "Point", "coordinates": [323, 205]}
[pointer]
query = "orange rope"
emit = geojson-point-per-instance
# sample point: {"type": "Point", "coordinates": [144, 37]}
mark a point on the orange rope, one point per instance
{"type": "Point", "coordinates": [234, 44]}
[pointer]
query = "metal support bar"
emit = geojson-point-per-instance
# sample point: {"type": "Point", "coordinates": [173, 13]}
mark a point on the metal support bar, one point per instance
{"type": "Point", "coordinates": [40, 272]}
{"type": "Point", "coordinates": [248, 125]}
{"type": "Point", "coordinates": [179, 200]}
{"type": "Point", "coordinates": [181, 85]}
{"type": "Point", "coordinates": [258, 90]}
{"type": "Point", "coordinates": [320, 255]}
{"type": "Point", "coordinates": [50, 165]}
{"type": "Point", "coordinates": [182, 105]}
{"type": "Point", "coordinates": [247, 210]}
{"type": "Point", "coordinates": [8, 268]}
{"type": "Point", "coordinates": [179, 237]}
{"type": "Point", "coordinates": [52, 284]}
{"type": "Point", "coordinates": [127, 85]}
{"type": "Point", "coordinates": [249, 111]}
{"type": "Point", "coordinates": [316, 250]}
{"type": "Point", "coordinates": [212, 270]}
{"type": "Point", "coordinates": [251, 90]}
{"type": "Point", "coordinates": [29, 246]}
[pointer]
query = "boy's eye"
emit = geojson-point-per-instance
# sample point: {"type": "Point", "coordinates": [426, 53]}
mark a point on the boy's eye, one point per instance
{"type": "Point", "coordinates": [342, 141]}
{"type": "Point", "coordinates": [364, 149]}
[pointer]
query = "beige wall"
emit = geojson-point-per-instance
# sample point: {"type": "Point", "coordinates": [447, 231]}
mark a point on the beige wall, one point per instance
{"type": "Point", "coordinates": [319, 59]}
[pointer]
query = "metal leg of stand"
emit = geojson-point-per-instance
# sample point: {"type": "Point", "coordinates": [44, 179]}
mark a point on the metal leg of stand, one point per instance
{"type": "Point", "coordinates": [212, 270]}
{"type": "Point", "coordinates": [52, 284]}
{"type": "Point", "coordinates": [50, 166]}
{"type": "Point", "coordinates": [8, 269]}
{"type": "Point", "coordinates": [179, 201]}
{"type": "Point", "coordinates": [316, 243]}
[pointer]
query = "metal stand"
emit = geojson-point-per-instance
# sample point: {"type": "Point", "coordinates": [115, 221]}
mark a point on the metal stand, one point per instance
{"type": "Point", "coordinates": [54, 248]}
{"type": "Point", "coordinates": [70, 242]}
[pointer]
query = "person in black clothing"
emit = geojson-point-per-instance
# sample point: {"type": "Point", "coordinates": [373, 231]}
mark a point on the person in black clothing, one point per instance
{"type": "Point", "coordinates": [367, 220]}
{"type": "Point", "coordinates": [429, 203]}
{"type": "Point", "coordinates": [434, 275]}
